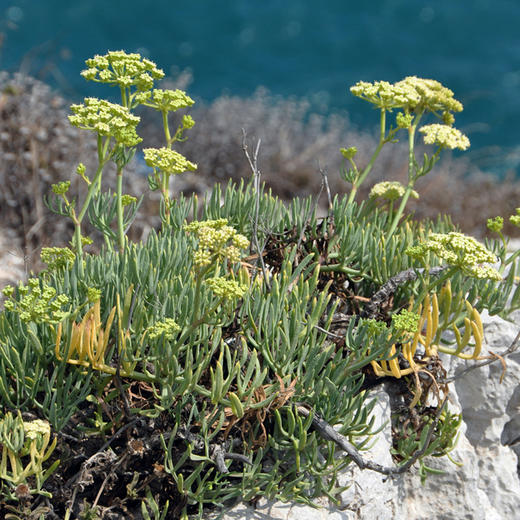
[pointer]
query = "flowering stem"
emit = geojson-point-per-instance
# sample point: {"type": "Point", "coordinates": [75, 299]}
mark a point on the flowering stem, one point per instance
{"type": "Point", "coordinates": [412, 177]}
{"type": "Point", "coordinates": [124, 99]}
{"type": "Point", "coordinates": [120, 227]}
{"type": "Point", "coordinates": [382, 140]}
{"type": "Point", "coordinates": [93, 187]}
{"type": "Point", "coordinates": [165, 180]}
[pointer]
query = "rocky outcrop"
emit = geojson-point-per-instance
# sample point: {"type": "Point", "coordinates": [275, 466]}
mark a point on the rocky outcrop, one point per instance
{"type": "Point", "coordinates": [482, 485]}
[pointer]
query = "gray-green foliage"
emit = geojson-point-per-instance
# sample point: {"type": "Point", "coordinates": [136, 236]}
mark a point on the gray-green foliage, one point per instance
{"type": "Point", "coordinates": [244, 369]}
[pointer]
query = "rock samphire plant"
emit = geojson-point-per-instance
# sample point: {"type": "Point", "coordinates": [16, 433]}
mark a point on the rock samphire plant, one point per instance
{"type": "Point", "coordinates": [231, 354]}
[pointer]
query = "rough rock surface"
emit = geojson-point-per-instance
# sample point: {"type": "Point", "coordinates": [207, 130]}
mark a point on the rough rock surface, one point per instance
{"type": "Point", "coordinates": [485, 486]}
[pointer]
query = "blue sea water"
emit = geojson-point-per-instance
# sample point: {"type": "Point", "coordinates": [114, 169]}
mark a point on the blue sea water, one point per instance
{"type": "Point", "coordinates": [296, 48]}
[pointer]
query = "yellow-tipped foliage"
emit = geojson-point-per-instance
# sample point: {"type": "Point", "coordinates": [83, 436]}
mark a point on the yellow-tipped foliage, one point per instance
{"type": "Point", "coordinates": [88, 341]}
{"type": "Point", "coordinates": [436, 317]}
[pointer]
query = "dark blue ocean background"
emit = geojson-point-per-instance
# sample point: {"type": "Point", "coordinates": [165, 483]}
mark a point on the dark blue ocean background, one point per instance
{"type": "Point", "coordinates": [295, 48]}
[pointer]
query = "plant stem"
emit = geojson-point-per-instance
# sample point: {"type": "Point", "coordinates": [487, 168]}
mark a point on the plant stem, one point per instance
{"type": "Point", "coordinates": [411, 174]}
{"type": "Point", "coordinates": [165, 179]}
{"type": "Point", "coordinates": [120, 223]}
{"type": "Point", "coordinates": [382, 140]}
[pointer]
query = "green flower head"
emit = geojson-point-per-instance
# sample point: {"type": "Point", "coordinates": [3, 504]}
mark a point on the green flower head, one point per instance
{"type": "Point", "coordinates": [515, 219]}
{"type": "Point", "coordinates": [428, 94]}
{"type": "Point", "coordinates": [374, 327]}
{"type": "Point", "coordinates": [495, 224]}
{"type": "Point", "coordinates": [93, 294]}
{"type": "Point", "coordinates": [410, 94]}
{"type": "Point", "coordinates": [125, 70]}
{"type": "Point", "coordinates": [187, 122]}
{"type": "Point", "coordinates": [169, 100]}
{"type": "Point", "coordinates": [57, 257]}
{"type": "Point", "coordinates": [460, 251]}
{"type": "Point", "coordinates": [217, 241]}
{"type": "Point", "coordinates": [106, 119]}
{"type": "Point", "coordinates": [444, 136]}
{"type": "Point", "coordinates": [61, 187]}
{"type": "Point", "coordinates": [167, 161]}
{"type": "Point", "coordinates": [390, 190]}
{"type": "Point", "coordinates": [382, 94]}
{"type": "Point", "coordinates": [227, 289]}
{"type": "Point", "coordinates": [406, 321]}
{"type": "Point", "coordinates": [36, 303]}
{"type": "Point", "coordinates": [404, 120]}
{"type": "Point", "coordinates": [348, 153]}
{"type": "Point", "coordinates": [126, 200]}
{"type": "Point", "coordinates": [168, 327]}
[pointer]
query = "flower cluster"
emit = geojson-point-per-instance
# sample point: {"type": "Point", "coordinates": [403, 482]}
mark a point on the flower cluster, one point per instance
{"type": "Point", "coordinates": [93, 294]}
{"type": "Point", "coordinates": [168, 327]}
{"type": "Point", "coordinates": [444, 136]}
{"type": "Point", "coordinates": [403, 120]}
{"type": "Point", "coordinates": [167, 161]}
{"type": "Point", "coordinates": [106, 119]}
{"type": "Point", "coordinates": [217, 241]}
{"type": "Point", "coordinates": [515, 219]}
{"type": "Point", "coordinates": [126, 200]}
{"type": "Point", "coordinates": [57, 257]}
{"type": "Point", "coordinates": [374, 327]}
{"type": "Point", "coordinates": [495, 224]}
{"type": "Point", "coordinates": [35, 429]}
{"type": "Point", "coordinates": [37, 304]}
{"type": "Point", "coordinates": [411, 93]}
{"type": "Point", "coordinates": [406, 321]}
{"type": "Point", "coordinates": [348, 153]}
{"type": "Point", "coordinates": [169, 100]}
{"type": "Point", "coordinates": [460, 251]}
{"type": "Point", "coordinates": [390, 190]}
{"type": "Point", "coordinates": [224, 288]}
{"type": "Point", "coordinates": [125, 70]}
{"type": "Point", "coordinates": [60, 188]}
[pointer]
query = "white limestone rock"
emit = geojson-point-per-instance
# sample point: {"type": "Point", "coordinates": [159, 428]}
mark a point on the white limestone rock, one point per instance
{"type": "Point", "coordinates": [485, 487]}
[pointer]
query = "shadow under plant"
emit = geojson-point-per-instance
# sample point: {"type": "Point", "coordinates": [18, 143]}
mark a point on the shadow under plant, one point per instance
{"type": "Point", "coordinates": [228, 356]}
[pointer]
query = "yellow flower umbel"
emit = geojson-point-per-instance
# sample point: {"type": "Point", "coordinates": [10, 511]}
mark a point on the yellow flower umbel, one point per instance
{"type": "Point", "coordinates": [444, 136]}
{"type": "Point", "coordinates": [167, 161]}
{"type": "Point", "coordinates": [39, 304]}
{"type": "Point", "coordinates": [460, 251]}
{"type": "Point", "coordinates": [390, 190]}
{"type": "Point", "coordinates": [217, 242]}
{"type": "Point", "coordinates": [107, 120]}
{"type": "Point", "coordinates": [414, 98]}
{"type": "Point", "coordinates": [118, 68]}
